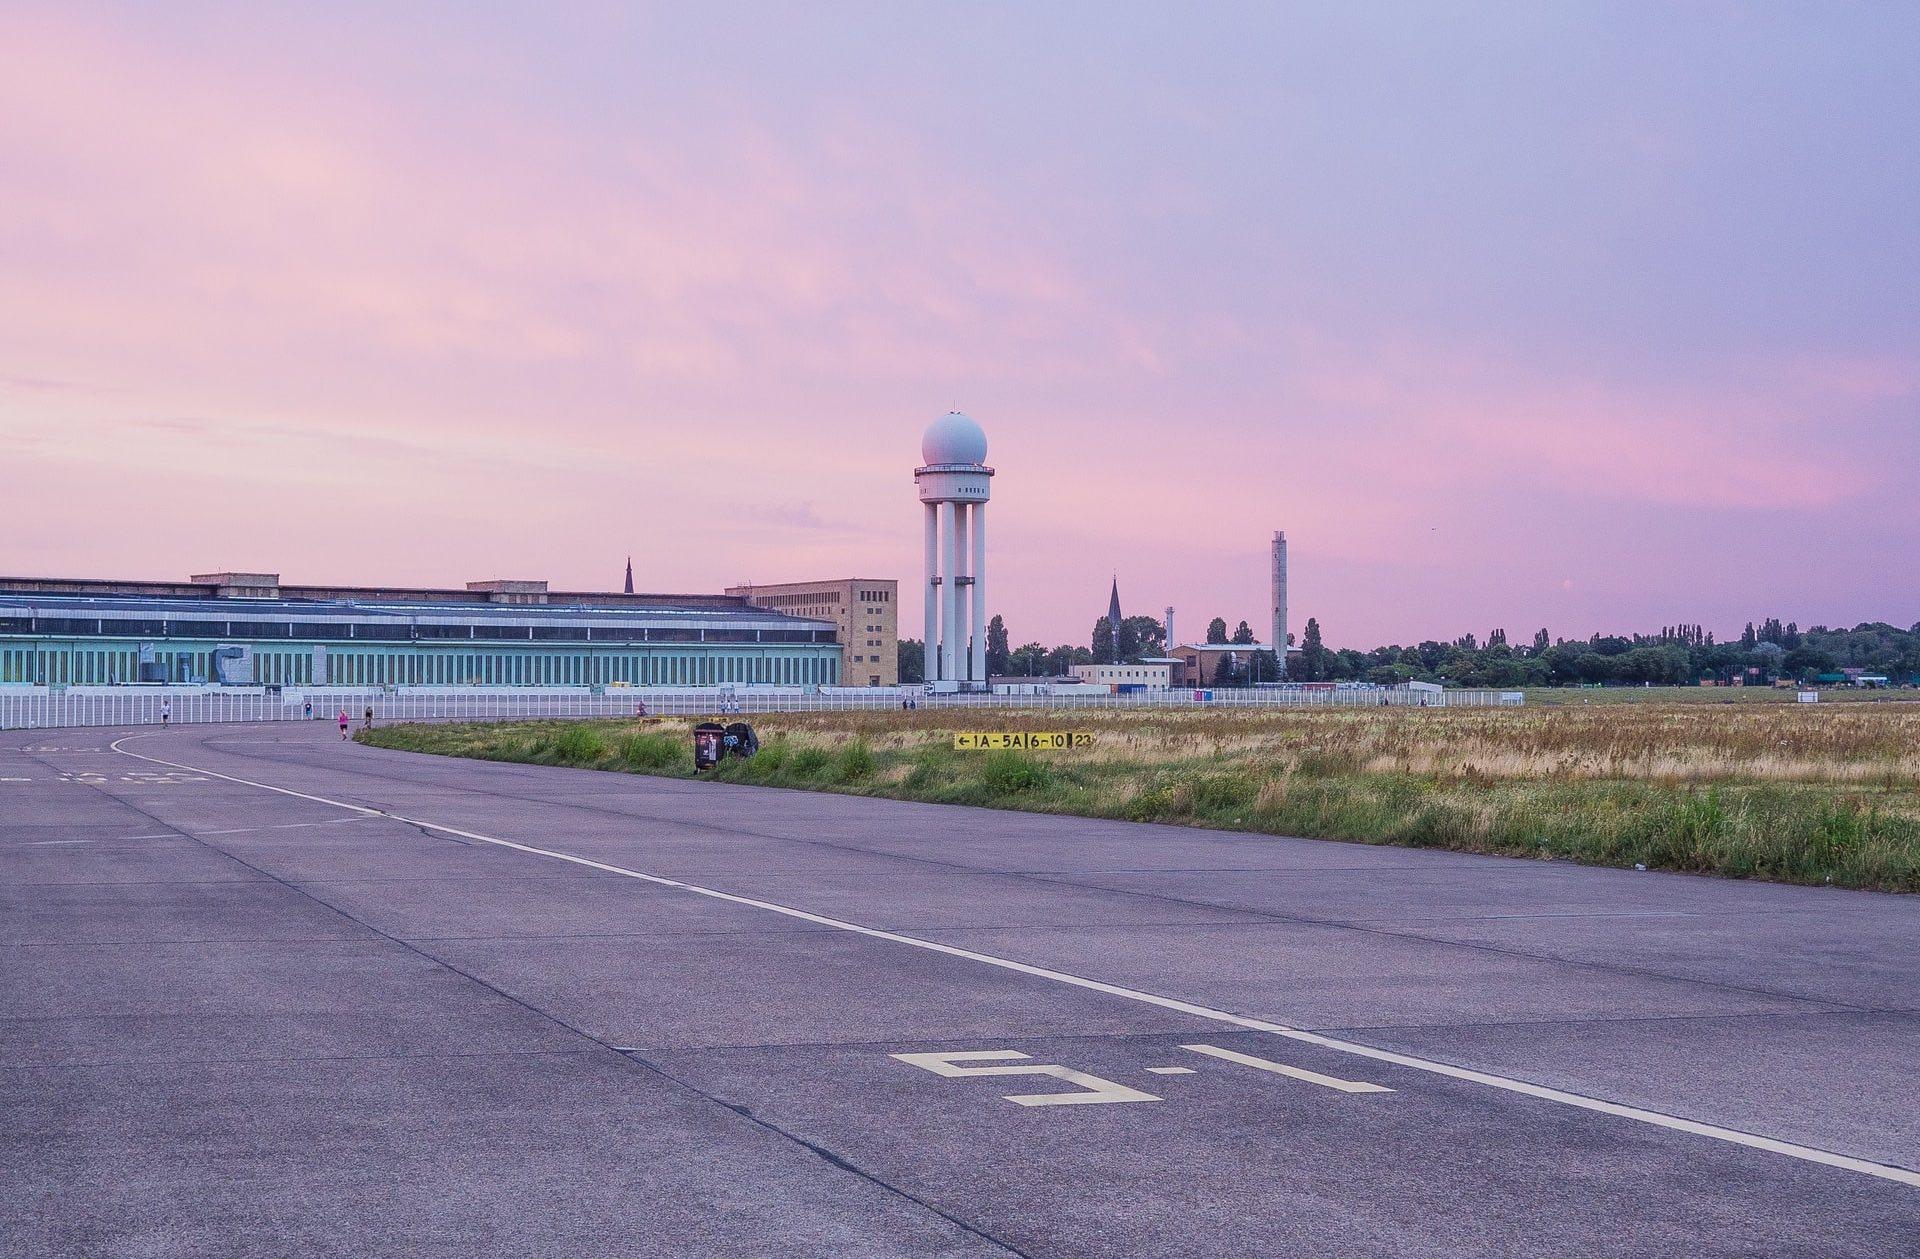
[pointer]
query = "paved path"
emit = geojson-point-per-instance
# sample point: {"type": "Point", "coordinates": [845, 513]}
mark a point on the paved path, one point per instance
{"type": "Point", "coordinates": [343, 1018]}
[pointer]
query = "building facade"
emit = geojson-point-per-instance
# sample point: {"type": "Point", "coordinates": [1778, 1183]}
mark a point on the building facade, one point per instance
{"type": "Point", "coordinates": [1155, 675]}
{"type": "Point", "coordinates": [247, 628]}
{"type": "Point", "coordinates": [1198, 664]}
{"type": "Point", "coordinates": [865, 611]}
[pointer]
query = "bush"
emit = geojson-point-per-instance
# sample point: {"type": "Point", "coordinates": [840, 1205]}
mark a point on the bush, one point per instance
{"type": "Point", "coordinates": [1840, 833]}
{"type": "Point", "coordinates": [1223, 796]}
{"type": "Point", "coordinates": [933, 767]}
{"type": "Point", "coordinates": [649, 751]}
{"type": "Point", "coordinates": [1009, 773]}
{"type": "Point", "coordinates": [577, 745]}
{"type": "Point", "coordinates": [808, 761]}
{"type": "Point", "coordinates": [854, 762]}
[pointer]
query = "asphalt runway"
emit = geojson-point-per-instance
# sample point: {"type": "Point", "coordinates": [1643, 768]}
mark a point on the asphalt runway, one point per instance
{"type": "Point", "coordinates": [266, 993]}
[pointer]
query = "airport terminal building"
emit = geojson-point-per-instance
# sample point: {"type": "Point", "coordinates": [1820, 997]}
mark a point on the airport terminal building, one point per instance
{"type": "Point", "coordinates": [248, 629]}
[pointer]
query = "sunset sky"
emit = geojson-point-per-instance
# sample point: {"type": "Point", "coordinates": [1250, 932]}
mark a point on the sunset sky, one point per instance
{"type": "Point", "coordinates": [1586, 316]}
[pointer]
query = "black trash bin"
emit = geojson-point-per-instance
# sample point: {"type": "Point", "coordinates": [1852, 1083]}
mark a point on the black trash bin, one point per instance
{"type": "Point", "coordinates": [741, 741]}
{"type": "Point", "coordinates": [709, 742]}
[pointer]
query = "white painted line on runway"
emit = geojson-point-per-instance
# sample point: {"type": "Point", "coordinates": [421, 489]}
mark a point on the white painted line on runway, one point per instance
{"type": "Point", "coordinates": [1170, 1070]}
{"type": "Point", "coordinates": [285, 826]}
{"type": "Point", "coordinates": [1731, 1136]}
{"type": "Point", "coordinates": [1281, 1068]}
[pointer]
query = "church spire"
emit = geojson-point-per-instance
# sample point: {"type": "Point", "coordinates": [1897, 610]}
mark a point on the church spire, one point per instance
{"type": "Point", "coordinates": [1113, 619]}
{"type": "Point", "coordinates": [629, 574]}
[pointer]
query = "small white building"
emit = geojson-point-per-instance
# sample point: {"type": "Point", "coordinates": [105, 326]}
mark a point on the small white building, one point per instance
{"type": "Point", "coordinates": [1154, 675]}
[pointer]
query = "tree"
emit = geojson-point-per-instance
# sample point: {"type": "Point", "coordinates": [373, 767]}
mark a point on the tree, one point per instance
{"type": "Point", "coordinates": [1141, 636]}
{"type": "Point", "coordinates": [1242, 634]}
{"type": "Point", "coordinates": [1217, 630]}
{"type": "Point", "coordinates": [1061, 659]}
{"type": "Point", "coordinates": [1313, 654]}
{"type": "Point", "coordinates": [1224, 672]}
{"type": "Point", "coordinates": [1027, 660]}
{"type": "Point", "coordinates": [1805, 661]}
{"type": "Point", "coordinates": [1103, 639]}
{"type": "Point", "coordinates": [1674, 654]}
{"type": "Point", "coordinates": [997, 653]}
{"type": "Point", "coordinates": [913, 660]}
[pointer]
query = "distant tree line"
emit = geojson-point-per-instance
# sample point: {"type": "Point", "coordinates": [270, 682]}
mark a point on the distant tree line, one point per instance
{"type": "Point", "coordinates": [1676, 655]}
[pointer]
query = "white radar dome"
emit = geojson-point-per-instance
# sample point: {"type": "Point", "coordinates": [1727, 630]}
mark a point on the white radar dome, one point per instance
{"type": "Point", "coordinates": [954, 438]}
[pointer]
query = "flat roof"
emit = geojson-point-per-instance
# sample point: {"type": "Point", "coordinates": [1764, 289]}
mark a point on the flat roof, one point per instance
{"type": "Point", "coordinates": [822, 581]}
{"type": "Point", "coordinates": [472, 594]}
{"type": "Point", "coordinates": [117, 607]}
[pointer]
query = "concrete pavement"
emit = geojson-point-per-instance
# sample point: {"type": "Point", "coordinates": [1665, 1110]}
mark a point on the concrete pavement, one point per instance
{"type": "Point", "coordinates": [235, 1020]}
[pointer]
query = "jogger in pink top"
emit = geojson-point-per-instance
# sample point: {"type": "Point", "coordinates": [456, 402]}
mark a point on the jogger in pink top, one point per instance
{"type": "Point", "coordinates": [343, 723]}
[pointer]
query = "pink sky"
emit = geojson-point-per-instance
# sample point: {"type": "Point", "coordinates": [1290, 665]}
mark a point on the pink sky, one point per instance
{"type": "Point", "coordinates": [1568, 317]}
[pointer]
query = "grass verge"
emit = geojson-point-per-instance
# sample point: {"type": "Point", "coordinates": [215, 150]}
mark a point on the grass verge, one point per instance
{"type": "Point", "coordinates": [1802, 795]}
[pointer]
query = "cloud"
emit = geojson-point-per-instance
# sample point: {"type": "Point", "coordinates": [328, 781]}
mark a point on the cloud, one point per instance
{"type": "Point", "coordinates": [1460, 414]}
{"type": "Point", "coordinates": [517, 291]}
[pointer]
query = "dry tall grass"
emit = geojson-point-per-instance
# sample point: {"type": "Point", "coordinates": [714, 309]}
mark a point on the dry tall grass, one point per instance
{"type": "Point", "coordinates": [1806, 794]}
{"type": "Point", "coordinates": [1878, 745]}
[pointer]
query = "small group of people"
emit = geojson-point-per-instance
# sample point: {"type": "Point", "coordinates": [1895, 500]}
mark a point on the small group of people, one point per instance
{"type": "Point", "coordinates": [166, 715]}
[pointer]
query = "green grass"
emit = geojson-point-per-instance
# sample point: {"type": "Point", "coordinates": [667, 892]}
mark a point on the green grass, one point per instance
{"type": "Point", "coordinates": [1796, 795]}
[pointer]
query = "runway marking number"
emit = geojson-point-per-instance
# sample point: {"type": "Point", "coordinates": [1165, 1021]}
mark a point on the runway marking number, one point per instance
{"type": "Point", "coordinates": [1094, 1089]}
{"type": "Point", "coordinates": [1281, 1068]}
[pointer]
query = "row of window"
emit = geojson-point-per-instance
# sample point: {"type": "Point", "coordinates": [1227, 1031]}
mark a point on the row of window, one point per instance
{"type": "Point", "coordinates": [813, 598]}
{"type": "Point", "coordinates": [402, 632]}
{"type": "Point", "coordinates": [96, 667]}
{"type": "Point", "coordinates": [797, 599]}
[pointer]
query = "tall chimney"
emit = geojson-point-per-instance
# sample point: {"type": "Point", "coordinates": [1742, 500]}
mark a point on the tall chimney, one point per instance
{"type": "Point", "coordinates": [1280, 599]}
{"type": "Point", "coordinates": [1172, 642]}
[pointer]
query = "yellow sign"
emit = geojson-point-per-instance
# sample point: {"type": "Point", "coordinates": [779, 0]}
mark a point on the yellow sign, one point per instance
{"type": "Point", "coordinates": [1021, 740]}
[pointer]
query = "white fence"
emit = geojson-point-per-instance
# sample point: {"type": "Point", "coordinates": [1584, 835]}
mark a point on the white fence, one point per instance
{"type": "Point", "coordinates": [138, 706]}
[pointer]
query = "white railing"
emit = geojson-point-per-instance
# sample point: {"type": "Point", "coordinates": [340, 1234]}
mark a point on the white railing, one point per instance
{"type": "Point", "coordinates": [37, 708]}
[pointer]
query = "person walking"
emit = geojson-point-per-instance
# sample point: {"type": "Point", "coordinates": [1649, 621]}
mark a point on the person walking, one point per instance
{"type": "Point", "coordinates": [166, 712]}
{"type": "Point", "coordinates": [369, 724]}
{"type": "Point", "coordinates": [343, 723]}
{"type": "Point", "coordinates": [309, 708]}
